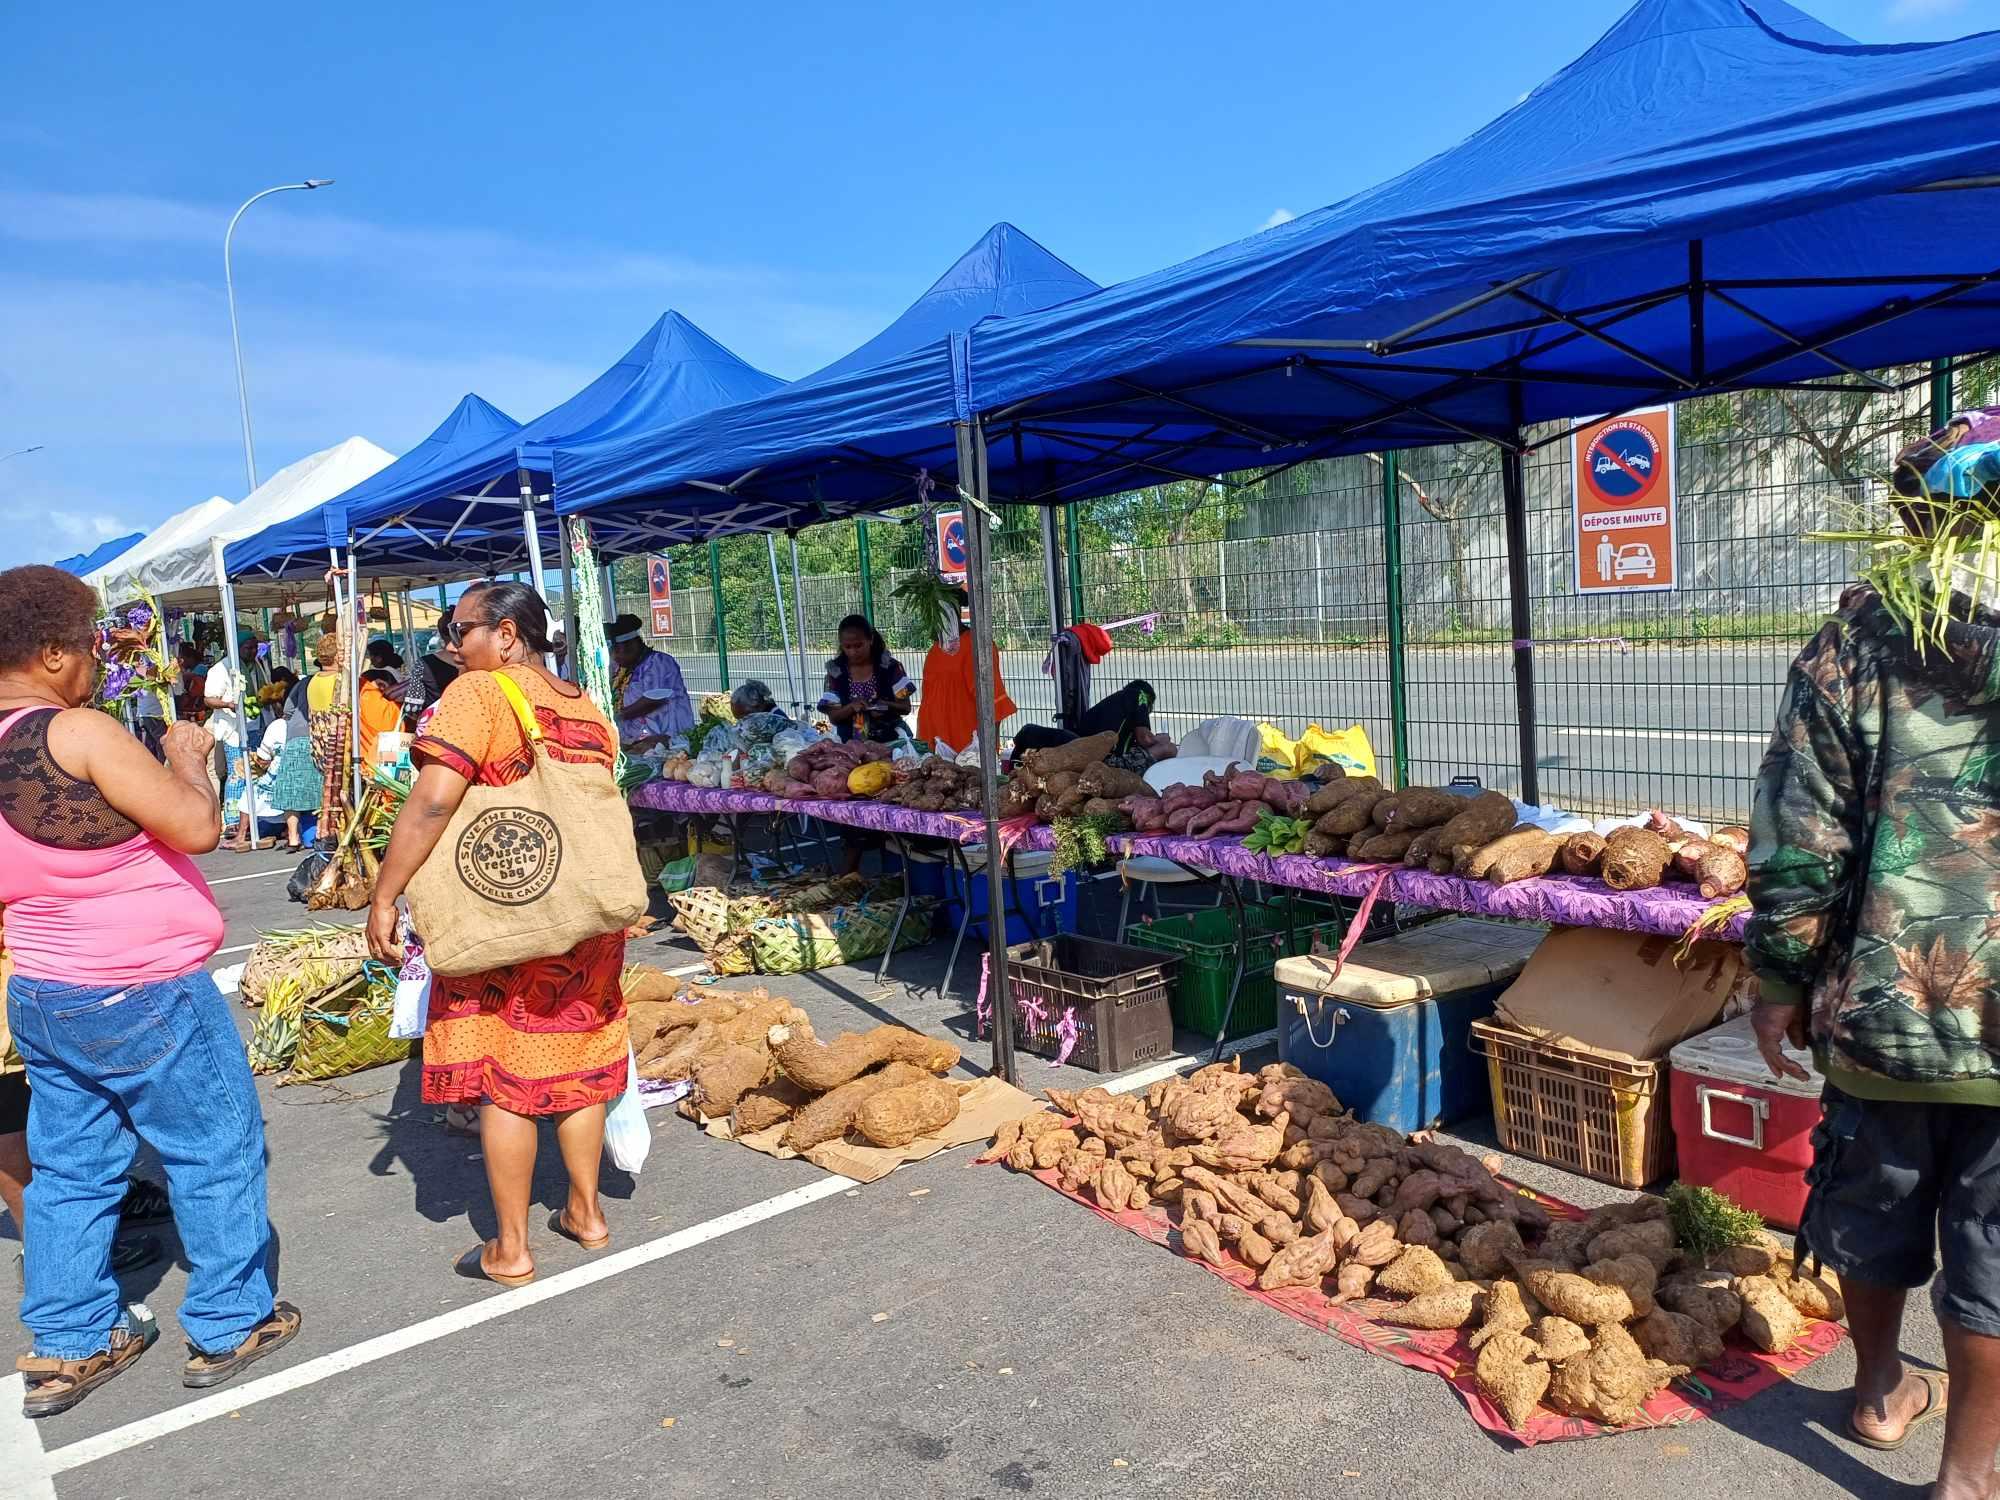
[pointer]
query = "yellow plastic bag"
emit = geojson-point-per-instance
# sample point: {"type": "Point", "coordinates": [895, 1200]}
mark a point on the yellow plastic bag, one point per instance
{"type": "Point", "coordinates": [1278, 755]}
{"type": "Point", "coordinates": [1348, 748]}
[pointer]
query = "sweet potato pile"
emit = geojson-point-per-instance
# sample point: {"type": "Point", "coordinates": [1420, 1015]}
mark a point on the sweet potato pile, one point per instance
{"type": "Point", "coordinates": [1222, 804]}
{"type": "Point", "coordinates": [821, 769]}
{"type": "Point", "coordinates": [1588, 1316]}
{"type": "Point", "coordinates": [1070, 781]}
{"type": "Point", "coordinates": [936, 786]}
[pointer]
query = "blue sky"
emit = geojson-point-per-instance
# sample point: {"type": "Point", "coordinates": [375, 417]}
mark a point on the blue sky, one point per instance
{"type": "Point", "coordinates": [520, 192]}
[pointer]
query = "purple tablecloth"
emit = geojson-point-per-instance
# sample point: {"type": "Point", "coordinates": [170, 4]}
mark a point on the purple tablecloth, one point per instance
{"type": "Point", "coordinates": [1573, 901]}
{"type": "Point", "coordinates": [680, 797]}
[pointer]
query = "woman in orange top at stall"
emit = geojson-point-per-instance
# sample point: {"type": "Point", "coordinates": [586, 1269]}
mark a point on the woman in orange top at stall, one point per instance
{"type": "Point", "coordinates": [948, 710]}
{"type": "Point", "coordinates": [380, 714]}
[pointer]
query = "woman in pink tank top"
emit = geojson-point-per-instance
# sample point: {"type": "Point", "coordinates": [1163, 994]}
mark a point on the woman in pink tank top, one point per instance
{"type": "Point", "coordinates": [123, 1032]}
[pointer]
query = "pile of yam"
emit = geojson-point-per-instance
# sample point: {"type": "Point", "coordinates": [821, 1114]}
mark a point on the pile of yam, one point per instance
{"type": "Point", "coordinates": [752, 1057]}
{"type": "Point", "coordinates": [1588, 1316]}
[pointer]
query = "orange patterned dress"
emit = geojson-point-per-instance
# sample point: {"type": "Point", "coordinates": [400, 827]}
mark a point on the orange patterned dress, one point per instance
{"type": "Point", "coordinates": [546, 1036]}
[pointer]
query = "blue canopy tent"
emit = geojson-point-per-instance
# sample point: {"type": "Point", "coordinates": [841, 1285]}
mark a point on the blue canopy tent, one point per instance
{"type": "Point", "coordinates": [98, 556]}
{"type": "Point", "coordinates": [475, 512]}
{"type": "Point", "coordinates": [1718, 195]}
{"type": "Point", "coordinates": [829, 444]}
{"type": "Point", "coordinates": [301, 547]}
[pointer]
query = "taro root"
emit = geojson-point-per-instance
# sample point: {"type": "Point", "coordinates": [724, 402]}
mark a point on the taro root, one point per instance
{"type": "Point", "coordinates": [897, 1116]}
{"type": "Point", "coordinates": [1113, 1188]}
{"type": "Point", "coordinates": [1417, 1228]}
{"type": "Point", "coordinates": [1577, 1298]}
{"type": "Point", "coordinates": [1520, 855]}
{"type": "Point", "coordinates": [828, 1116]}
{"type": "Point", "coordinates": [1815, 1296]}
{"type": "Point", "coordinates": [1298, 1097]}
{"type": "Point", "coordinates": [1769, 1319]}
{"type": "Point", "coordinates": [1422, 847]}
{"type": "Point", "coordinates": [1634, 859]}
{"type": "Point", "coordinates": [1413, 1273]}
{"type": "Point", "coordinates": [1611, 1382]}
{"type": "Point", "coordinates": [1485, 1248]}
{"type": "Point", "coordinates": [1350, 817]}
{"type": "Point", "coordinates": [1337, 791]}
{"type": "Point", "coordinates": [1021, 1156]}
{"type": "Point", "coordinates": [1450, 1307]}
{"type": "Point", "coordinates": [1197, 1203]}
{"type": "Point", "coordinates": [1422, 807]}
{"type": "Point", "coordinates": [1198, 1114]}
{"type": "Point", "coordinates": [1375, 1245]}
{"type": "Point", "coordinates": [1721, 872]}
{"type": "Point", "coordinates": [1511, 1372]}
{"type": "Point", "coordinates": [1582, 853]}
{"type": "Point", "coordinates": [1254, 1248]}
{"type": "Point", "coordinates": [1633, 1274]}
{"type": "Point", "coordinates": [1243, 1147]}
{"type": "Point", "coordinates": [1732, 838]}
{"type": "Point", "coordinates": [1677, 1339]}
{"type": "Point", "coordinates": [1559, 1338]}
{"type": "Point", "coordinates": [1321, 1212]}
{"type": "Point", "coordinates": [1753, 1259]}
{"type": "Point", "coordinates": [1717, 1307]}
{"type": "Point", "coordinates": [1653, 1239]}
{"type": "Point", "coordinates": [1501, 1310]}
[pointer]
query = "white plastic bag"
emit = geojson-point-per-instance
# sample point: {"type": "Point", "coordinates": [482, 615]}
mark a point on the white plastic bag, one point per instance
{"type": "Point", "coordinates": [413, 992]}
{"type": "Point", "coordinates": [627, 1136]}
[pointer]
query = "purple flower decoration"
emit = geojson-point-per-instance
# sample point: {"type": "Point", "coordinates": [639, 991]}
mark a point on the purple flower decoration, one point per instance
{"type": "Point", "coordinates": [117, 678]}
{"type": "Point", "coordinates": [1148, 625]}
{"type": "Point", "coordinates": [138, 617]}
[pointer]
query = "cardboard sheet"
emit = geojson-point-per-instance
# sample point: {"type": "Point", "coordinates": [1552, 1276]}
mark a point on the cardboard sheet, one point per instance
{"type": "Point", "coordinates": [983, 1107]}
{"type": "Point", "coordinates": [1618, 994]}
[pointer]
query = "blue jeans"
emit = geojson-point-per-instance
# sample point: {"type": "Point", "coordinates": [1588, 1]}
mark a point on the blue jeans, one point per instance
{"type": "Point", "coordinates": [109, 1065]}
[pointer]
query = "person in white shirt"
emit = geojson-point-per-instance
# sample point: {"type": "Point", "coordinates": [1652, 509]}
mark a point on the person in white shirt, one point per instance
{"type": "Point", "coordinates": [226, 689]}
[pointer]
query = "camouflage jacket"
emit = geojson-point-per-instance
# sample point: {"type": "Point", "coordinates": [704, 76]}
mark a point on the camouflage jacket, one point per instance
{"type": "Point", "coordinates": [1875, 854]}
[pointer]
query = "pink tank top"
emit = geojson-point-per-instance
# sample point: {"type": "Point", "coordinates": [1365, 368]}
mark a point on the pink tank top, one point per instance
{"type": "Point", "coordinates": [130, 914]}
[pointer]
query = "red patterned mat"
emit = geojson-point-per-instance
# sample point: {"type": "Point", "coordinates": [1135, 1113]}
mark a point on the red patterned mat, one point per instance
{"type": "Point", "coordinates": [1741, 1373]}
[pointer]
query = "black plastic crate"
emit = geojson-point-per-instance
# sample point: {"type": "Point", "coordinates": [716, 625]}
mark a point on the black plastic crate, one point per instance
{"type": "Point", "coordinates": [1121, 996]}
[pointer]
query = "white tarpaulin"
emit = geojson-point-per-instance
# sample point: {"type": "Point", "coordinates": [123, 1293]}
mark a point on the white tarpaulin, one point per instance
{"type": "Point", "coordinates": [183, 572]}
{"type": "Point", "coordinates": [177, 527]}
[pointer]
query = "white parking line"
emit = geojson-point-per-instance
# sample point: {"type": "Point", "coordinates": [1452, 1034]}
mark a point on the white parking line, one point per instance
{"type": "Point", "coordinates": [236, 1398]}
{"type": "Point", "coordinates": [258, 875]}
{"type": "Point", "coordinates": [1693, 737]}
{"type": "Point", "coordinates": [24, 1468]}
{"type": "Point", "coordinates": [1166, 1067]}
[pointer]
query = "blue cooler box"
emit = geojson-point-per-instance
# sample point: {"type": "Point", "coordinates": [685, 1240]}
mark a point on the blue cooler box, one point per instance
{"type": "Point", "coordinates": [1050, 902]}
{"type": "Point", "coordinates": [1389, 1033]}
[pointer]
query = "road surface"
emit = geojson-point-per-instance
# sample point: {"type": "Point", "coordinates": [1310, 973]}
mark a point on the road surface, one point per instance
{"type": "Point", "coordinates": [761, 1329]}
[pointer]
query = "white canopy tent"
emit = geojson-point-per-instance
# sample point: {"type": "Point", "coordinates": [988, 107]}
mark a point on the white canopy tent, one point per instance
{"type": "Point", "coordinates": [199, 519]}
{"type": "Point", "coordinates": [184, 571]}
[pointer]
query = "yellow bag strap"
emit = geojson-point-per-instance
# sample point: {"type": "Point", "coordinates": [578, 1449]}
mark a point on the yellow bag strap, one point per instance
{"type": "Point", "coordinates": [530, 725]}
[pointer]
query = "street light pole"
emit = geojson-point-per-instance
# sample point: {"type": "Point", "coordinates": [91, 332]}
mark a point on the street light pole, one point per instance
{"type": "Point", "coordinates": [235, 338]}
{"type": "Point", "coordinates": [19, 451]}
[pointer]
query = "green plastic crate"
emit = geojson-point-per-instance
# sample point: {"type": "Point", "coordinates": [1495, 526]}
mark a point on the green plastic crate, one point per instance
{"type": "Point", "coordinates": [1206, 941]}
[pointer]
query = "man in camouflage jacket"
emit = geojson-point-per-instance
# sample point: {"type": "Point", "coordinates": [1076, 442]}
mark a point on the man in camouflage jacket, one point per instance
{"type": "Point", "coordinates": [1875, 882]}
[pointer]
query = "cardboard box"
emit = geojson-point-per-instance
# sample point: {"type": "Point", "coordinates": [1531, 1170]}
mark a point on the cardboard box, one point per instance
{"type": "Point", "coordinates": [1620, 994]}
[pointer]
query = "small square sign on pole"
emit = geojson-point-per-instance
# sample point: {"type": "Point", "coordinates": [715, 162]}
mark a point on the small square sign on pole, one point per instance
{"type": "Point", "coordinates": [660, 594]}
{"type": "Point", "coordinates": [951, 545]}
{"type": "Point", "coordinates": [1624, 503]}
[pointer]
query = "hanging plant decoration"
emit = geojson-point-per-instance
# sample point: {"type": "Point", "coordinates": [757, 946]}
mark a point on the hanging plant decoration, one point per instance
{"type": "Point", "coordinates": [932, 601]}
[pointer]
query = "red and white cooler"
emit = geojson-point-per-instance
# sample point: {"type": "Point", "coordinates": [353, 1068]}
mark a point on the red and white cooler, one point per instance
{"type": "Point", "coordinates": [1739, 1130]}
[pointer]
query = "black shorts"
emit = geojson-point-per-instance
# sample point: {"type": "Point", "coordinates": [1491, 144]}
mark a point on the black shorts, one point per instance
{"type": "Point", "coordinates": [13, 1103]}
{"type": "Point", "coordinates": [1892, 1184]}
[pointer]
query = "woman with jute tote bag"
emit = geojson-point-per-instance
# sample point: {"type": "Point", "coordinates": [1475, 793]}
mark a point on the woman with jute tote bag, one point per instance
{"type": "Point", "coordinates": [516, 851]}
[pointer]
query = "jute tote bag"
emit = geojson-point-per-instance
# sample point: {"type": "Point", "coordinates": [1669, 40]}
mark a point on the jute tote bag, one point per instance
{"type": "Point", "coordinates": [528, 870]}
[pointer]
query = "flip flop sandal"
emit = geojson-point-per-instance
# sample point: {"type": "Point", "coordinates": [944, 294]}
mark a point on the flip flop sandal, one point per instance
{"type": "Point", "coordinates": [559, 1225]}
{"type": "Point", "coordinates": [1938, 1393]}
{"type": "Point", "coordinates": [56, 1385]}
{"type": "Point", "coordinates": [204, 1370]}
{"type": "Point", "coordinates": [145, 1203]}
{"type": "Point", "coordinates": [470, 1265]}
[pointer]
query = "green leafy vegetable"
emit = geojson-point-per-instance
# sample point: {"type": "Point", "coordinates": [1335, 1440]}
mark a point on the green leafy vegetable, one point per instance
{"type": "Point", "coordinates": [1277, 834]}
{"type": "Point", "coordinates": [1706, 1223]}
{"type": "Point", "coordinates": [1080, 841]}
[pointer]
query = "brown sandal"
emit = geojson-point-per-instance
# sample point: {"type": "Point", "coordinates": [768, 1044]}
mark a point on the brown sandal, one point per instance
{"type": "Point", "coordinates": [560, 1225]}
{"type": "Point", "coordinates": [276, 1331]}
{"type": "Point", "coordinates": [56, 1385]}
{"type": "Point", "coordinates": [472, 1266]}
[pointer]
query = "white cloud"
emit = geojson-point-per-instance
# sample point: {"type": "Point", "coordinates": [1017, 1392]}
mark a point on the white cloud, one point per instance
{"type": "Point", "coordinates": [1278, 216]}
{"type": "Point", "coordinates": [1924, 10]}
{"type": "Point", "coordinates": [88, 531]}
